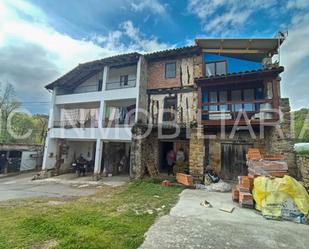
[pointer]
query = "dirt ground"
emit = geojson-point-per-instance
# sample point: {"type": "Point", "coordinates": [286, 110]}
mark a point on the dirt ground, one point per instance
{"type": "Point", "coordinates": [190, 225]}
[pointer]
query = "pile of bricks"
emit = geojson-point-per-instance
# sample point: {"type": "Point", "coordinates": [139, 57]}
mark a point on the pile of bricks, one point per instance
{"type": "Point", "coordinates": [241, 193]}
{"type": "Point", "coordinates": [260, 163]}
{"type": "Point", "coordinates": [184, 179]}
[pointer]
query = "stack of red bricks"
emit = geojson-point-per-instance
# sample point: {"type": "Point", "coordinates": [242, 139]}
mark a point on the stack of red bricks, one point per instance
{"type": "Point", "coordinates": [242, 192]}
{"type": "Point", "coordinates": [259, 163]}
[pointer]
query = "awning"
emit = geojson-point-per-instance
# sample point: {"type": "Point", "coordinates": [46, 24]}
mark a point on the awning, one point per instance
{"type": "Point", "coordinates": [249, 49]}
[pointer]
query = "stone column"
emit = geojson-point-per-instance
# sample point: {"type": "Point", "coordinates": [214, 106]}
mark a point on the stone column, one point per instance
{"type": "Point", "coordinates": [137, 169]}
{"type": "Point", "coordinates": [98, 159]}
{"type": "Point", "coordinates": [196, 152]}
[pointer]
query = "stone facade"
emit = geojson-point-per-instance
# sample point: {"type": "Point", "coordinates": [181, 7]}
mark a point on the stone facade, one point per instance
{"type": "Point", "coordinates": [196, 152]}
{"type": "Point", "coordinates": [279, 139]}
{"type": "Point", "coordinates": [303, 167]}
{"type": "Point", "coordinates": [213, 157]}
{"type": "Point", "coordinates": [144, 152]}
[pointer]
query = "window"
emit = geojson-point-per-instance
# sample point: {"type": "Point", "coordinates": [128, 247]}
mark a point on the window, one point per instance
{"type": "Point", "coordinates": [170, 70]}
{"type": "Point", "coordinates": [213, 98]}
{"type": "Point", "coordinates": [248, 96]}
{"type": "Point", "coordinates": [216, 68]}
{"type": "Point", "coordinates": [223, 99]}
{"type": "Point", "coordinates": [170, 107]}
{"type": "Point", "coordinates": [236, 97]}
{"type": "Point", "coordinates": [124, 80]}
{"type": "Point", "coordinates": [100, 85]}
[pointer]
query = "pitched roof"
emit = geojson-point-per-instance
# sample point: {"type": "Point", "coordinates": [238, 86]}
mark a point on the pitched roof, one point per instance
{"type": "Point", "coordinates": [86, 70]}
{"type": "Point", "coordinates": [174, 52]}
{"type": "Point", "coordinates": [241, 76]}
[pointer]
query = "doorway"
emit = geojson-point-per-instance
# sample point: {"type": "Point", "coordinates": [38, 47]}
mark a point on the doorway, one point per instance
{"type": "Point", "coordinates": [233, 160]}
{"type": "Point", "coordinates": [165, 147]}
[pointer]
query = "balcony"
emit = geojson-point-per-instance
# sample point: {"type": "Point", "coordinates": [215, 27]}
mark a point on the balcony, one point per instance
{"type": "Point", "coordinates": [240, 98]}
{"type": "Point", "coordinates": [112, 85]}
{"type": "Point", "coordinates": [120, 77]}
{"type": "Point", "coordinates": [80, 89]}
{"type": "Point", "coordinates": [69, 124]}
{"type": "Point", "coordinates": [120, 113]}
{"type": "Point", "coordinates": [238, 112]}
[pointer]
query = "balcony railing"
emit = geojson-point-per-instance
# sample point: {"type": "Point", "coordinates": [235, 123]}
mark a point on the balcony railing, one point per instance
{"type": "Point", "coordinates": [69, 124]}
{"type": "Point", "coordinates": [80, 89]}
{"type": "Point", "coordinates": [120, 84]}
{"type": "Point", "coordinates": [230, 110]}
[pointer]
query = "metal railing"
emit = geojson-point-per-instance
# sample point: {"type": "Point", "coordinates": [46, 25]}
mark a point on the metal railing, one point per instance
{"type": "Point", "coordinates": [79, 89]}
{"type": "Point", "coordinates": [230, 109]}
{"type": "Point", "coordinates": [69, 124]}
{"type": "Point", "coordinates": [120, 84]}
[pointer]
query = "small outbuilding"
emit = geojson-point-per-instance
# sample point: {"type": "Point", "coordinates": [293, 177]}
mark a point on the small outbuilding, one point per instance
{"type": "Point", "coordinates": [20, 157]}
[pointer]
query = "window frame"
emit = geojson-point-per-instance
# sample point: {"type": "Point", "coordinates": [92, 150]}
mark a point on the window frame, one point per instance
{"type": "Point", "coordinates": [215, 63]}
{"type": "Point", "coordinates": [168, 63]}
{"type": "Point", "coordinates": [124, 82]}
{"type": "Point", "coordinates": [229, 97]}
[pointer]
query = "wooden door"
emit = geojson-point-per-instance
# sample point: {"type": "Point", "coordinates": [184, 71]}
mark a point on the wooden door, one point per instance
{"type": "Point", "coordinates": [233, 159]}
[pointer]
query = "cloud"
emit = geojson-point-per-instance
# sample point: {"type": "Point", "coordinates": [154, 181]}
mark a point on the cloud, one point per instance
{"type": "Point", "coordinates": [294, 57]}
{"type": "Point", "coordinates": [297, 4]}
{"type": "Point", "coordinates": [224, 17]}
{"type": "Point", "coordinates": [129, 38]}
{"type": "Point", "coordinates": [152, 5]}
{"type": "Point", "coordinates": [33, 53]}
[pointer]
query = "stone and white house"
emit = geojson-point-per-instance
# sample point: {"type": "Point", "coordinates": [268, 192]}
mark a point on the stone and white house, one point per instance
{"type": "Point", "coordinates": [213, 100]}
{"type": "Point", "coordinates": [224, 96]}
{"type": "Point", "coordinates": [89, 105]}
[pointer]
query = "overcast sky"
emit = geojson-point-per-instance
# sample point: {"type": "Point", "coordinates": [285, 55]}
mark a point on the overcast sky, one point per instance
{"type": "Point", "coordinates": [42, 39]}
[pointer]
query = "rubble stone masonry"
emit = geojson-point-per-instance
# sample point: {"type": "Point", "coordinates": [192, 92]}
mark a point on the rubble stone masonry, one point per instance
{"type": "Point", "coordinates": [303, 167]}
{"type": "Point", "coordinates": [197, 152]}
{"type": "Point", "coordinates": [144, 152]}
{"type": "Point", "coordinates": [283, 145]}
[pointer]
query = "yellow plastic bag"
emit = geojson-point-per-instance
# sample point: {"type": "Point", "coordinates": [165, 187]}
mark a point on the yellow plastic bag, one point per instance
{"type": "Point", "coordinates": [270, 194]}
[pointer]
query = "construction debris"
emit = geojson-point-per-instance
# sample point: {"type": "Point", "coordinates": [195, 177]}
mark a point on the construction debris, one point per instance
{"type": "Point", "coordinates": [184, 179]}
{"type": "Point", "coordinates": [167, 183]}
{"type": "Point", "coordinates": [260, 163]}
{"type": "Point", "coordinates": [206, 204]}
{"type": "Point", "coordinates": [227, 209]}
{"type": "Point", "coordinates": [270, 189]}
{"type": "Point", "coordinates": [242, 192]}
{"type": "Point", "coordinates": [281, 198]}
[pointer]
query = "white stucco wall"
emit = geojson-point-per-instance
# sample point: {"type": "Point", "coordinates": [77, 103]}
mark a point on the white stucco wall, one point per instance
{"type": "Point", "coordinates": [28, 162]}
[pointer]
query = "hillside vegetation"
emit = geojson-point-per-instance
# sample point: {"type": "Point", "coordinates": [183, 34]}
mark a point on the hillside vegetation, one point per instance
{"type": "Point", "coordinates": [299, 124]}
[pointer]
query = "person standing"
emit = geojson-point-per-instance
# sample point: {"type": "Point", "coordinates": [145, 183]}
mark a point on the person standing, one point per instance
{"type": "Point", "coordinates": [170, 159]}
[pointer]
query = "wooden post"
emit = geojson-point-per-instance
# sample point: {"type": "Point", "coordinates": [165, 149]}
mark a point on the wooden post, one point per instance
{"type": "Point", "coordinates": [275, 99]}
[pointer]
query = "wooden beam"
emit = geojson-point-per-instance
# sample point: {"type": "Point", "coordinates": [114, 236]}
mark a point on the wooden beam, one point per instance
{"type": "Point", "coordinates": [236, 51]}
{"type": "Point", "coordinates": [275, 98]}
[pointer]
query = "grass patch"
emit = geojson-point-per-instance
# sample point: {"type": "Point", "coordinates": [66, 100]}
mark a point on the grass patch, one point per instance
{"type": "Point", "coordinates": [113, 218]}
{"type": "Point", "coordinates": [303, 153]}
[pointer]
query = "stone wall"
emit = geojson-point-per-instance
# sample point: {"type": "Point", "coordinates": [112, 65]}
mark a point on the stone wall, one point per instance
{"type": "Point", "coordinates": [196, 152]}
{"type": "Point", "coordinates": [303, 167]}
{"type": "Point", "coordinates": [213, 157]}
{"type": "Point", "coordinates": [279, 139]}
{"type": "Point", "coordinates": [144, 152]}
